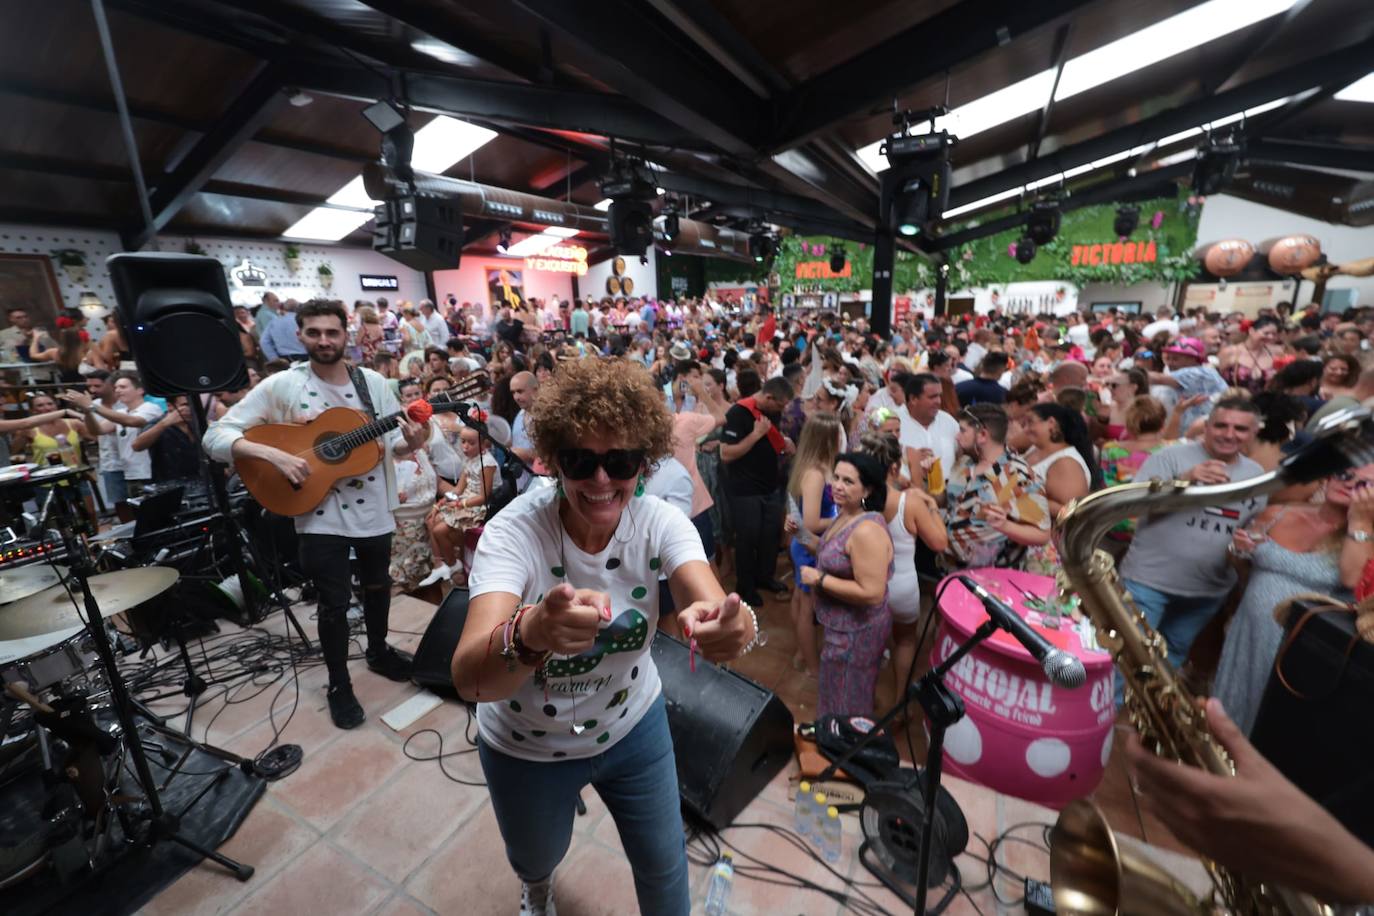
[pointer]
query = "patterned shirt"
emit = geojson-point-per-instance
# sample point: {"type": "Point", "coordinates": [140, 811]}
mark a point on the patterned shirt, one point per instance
{"type": "Point", "coordinates": [1010, 483]}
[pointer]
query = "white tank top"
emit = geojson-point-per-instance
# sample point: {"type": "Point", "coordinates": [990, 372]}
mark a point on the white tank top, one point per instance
{"type": "Point", "coordinates": [1042, 467]}
{"type": "Point", "coordinates": [903, 544]}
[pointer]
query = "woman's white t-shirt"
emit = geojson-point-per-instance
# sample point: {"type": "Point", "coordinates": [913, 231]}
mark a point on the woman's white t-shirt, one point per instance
{"type": "Point", "coordinates": [607, 689]}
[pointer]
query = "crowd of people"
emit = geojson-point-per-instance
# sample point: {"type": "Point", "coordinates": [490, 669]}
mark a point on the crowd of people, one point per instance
{"type": "Point", "coordinates": [799, 457]}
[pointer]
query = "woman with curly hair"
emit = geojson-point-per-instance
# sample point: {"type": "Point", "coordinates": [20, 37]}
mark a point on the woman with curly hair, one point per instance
{"type": "Point", "coordinates": [555, 649]}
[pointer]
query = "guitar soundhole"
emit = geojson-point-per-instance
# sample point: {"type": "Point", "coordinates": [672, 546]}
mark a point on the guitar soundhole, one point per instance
{"type": "Point", "coordinates": [331, 449]}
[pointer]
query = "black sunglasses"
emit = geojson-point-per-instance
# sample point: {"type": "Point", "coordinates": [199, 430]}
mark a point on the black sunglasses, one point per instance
{"type": "Point", "coordinates": [581, 463]}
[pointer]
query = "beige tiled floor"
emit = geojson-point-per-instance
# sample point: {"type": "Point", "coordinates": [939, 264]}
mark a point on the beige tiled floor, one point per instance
{"type": "Point", "coordinates": [360, 828]}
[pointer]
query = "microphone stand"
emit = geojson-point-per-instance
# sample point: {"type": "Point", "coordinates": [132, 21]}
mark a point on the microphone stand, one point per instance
{"type": "Point", "coordinates": [943, 707]}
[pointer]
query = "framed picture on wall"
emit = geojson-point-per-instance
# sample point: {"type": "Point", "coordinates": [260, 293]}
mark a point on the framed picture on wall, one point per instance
{"type": "Point", "coordinates": [506, 287]}
{"type": "Point", "coordinates": [830, 301]}
{"type": "Point", "coordinates": [27, 281]}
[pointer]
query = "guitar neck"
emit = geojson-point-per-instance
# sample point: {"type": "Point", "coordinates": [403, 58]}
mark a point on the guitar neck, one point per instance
{"type": "Point", "coordinates": [369, 431]}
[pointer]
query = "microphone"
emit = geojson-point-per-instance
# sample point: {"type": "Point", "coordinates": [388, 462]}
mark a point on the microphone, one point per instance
{"type": "Point", "coordinates": [1062, 668]}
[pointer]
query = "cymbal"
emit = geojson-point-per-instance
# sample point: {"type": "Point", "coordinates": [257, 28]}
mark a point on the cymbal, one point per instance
{"type": "Point", "coordinates": [114, 592]}
{"type": "Point", "coordinates": [28, 580]}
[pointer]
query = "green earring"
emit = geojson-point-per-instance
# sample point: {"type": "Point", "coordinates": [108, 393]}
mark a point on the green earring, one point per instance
{"type": "Point", "coordinates": [639, 487]}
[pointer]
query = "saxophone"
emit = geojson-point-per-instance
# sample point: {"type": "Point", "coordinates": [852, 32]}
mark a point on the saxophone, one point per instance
{"type": "Point", "coordinates": [1090, 873]}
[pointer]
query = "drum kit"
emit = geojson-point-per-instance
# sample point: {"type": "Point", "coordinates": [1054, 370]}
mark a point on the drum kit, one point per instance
{"type": "Point", "coordinates": [69, 728]}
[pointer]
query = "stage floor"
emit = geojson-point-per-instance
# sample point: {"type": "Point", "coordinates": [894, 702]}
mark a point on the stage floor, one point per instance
{"type": "Point", "coordinates": [359, 828]}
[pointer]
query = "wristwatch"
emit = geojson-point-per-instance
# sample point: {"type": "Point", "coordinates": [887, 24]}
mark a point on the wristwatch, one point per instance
{"type": "Point", "coordinates": [1360, 537]}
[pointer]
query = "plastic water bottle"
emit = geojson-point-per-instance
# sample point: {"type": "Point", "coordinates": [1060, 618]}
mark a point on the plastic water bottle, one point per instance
{"type": "Point", "coordinates": [802, 817]}
{"type": "Point", "coordinates": [819, 804]}
{"type": "Point", "coordinates": [718, 893]}
{"type": "Point", "coordinates": [832, 836]}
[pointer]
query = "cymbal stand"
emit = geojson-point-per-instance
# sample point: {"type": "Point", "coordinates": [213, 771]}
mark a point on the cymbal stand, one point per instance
{"type": "Point", "coordinates": [163, 825]}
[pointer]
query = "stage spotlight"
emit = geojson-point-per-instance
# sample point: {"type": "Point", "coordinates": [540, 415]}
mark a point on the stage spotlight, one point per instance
{"type": "Point", "coordinates": [837, 260]}
{"type": "Point", "coordinates": [1025, 249]}
{"type": "Point", "coordinates": [672, 223]}
{"type": "Point", "coordinates": [503, 240]}
{"type": "Point", "coordinates": [1042, 225]}
{"type": "Point", "coordinates": [1127, 219]}
{"type": "Point", "coordinates": [761, 246]}
{"type": "Point", "coordinates": [916, 187]}
{"type": "Point", "coordinates": [1217, 161]}
{"type": "Point", "coordinates": [398, 140]}
{"type": "Point", "coordinates": [629, 219]}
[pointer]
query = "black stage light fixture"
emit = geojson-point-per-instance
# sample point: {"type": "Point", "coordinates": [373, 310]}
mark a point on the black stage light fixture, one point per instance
{"type": "Point", "coordinates": [672, 223]}
{"type": "Point", "coordinates": [915, 189]}
{"type": "Point", "coordinates": [762, 245]}
{"type": "Point", "coordinates": [630, 219]}
{"type": "Point", "coordinates": [1025, 249]}
{"type": "Point", "coordinates": [1217, 161]}
{"type": "Point", "coordinates": [398, 140]}
{"type": "Point", "coordinates": [1127, 220]}
{"type": "Point", "coordinates": [503, 239]}
{"type": "Point", "coordinates": [1042, 225]}
{"type": "Point", "coordinates": [837, 258]}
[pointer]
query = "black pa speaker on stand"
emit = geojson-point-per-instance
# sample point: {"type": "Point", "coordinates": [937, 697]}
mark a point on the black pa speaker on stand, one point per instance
{"type": "Point", "coordinates": [178, 322]}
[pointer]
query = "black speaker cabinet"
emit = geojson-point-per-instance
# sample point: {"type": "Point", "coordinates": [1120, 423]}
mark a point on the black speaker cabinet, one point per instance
{"type": "Point", "coordinates": [178, 322]}
{"type": "Point", "coordinates": [434, 656]}
{"type": "Point", "coordinates": [423, 233]}
{"type": "Point", "coordinates": [730, 736]}
{"type": "Point", "coordinates": [1322, 740]}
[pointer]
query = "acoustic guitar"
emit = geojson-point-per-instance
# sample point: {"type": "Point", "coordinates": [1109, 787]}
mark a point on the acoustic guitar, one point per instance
{"type": "Point", "coordinates": [341, 442]}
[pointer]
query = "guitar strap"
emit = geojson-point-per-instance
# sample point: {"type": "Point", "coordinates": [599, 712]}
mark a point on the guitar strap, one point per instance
{"type": "Point", "coordinates": [355, 373]}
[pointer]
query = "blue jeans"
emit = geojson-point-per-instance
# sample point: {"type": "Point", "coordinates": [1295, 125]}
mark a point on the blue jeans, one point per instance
{"type": "Point", "coordinates": [115, 489]}
{"type": "Point", "coordinates": [1177, 618]}
{"type": "Point", "coordinates": [534, 803]}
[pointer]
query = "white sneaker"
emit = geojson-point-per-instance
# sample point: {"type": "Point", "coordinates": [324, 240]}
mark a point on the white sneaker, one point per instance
{"type": "Point", "coordinates": [437, 574]}
{"type": "Point", "coordinates": [537, 899]}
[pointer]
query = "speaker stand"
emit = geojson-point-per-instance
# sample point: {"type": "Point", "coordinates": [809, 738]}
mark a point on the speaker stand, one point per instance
{"type": "Point", "coordinates": [238, 541]}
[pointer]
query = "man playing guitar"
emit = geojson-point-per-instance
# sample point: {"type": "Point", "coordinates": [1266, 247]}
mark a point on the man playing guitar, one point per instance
{"type": "Point", "coordinates": [355, 514]}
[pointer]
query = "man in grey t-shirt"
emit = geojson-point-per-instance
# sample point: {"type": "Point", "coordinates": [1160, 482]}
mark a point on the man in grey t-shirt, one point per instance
{"type": "Point", "coordinates": [1176, 568]}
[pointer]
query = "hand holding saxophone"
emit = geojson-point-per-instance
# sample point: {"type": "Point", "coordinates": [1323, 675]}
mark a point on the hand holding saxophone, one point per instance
{"type": "Point", "coordinates": [1255, 822]}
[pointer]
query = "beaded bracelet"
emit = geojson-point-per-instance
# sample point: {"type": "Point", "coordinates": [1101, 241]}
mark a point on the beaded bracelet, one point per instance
{"type": "Point", "coordinates": [760, 638]}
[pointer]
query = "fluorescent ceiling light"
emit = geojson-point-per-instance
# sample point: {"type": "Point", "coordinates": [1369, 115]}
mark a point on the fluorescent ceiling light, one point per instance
{"type": "Point", "coordinates": [438, 146]}
{"type": "Point", "coordinates": [1185, 156]}
{"type": "Point", "coordinates": [1166, 38]}
{"type": "Point", "coordinates": [1150, 45]}
{"type": "Point", "coordinates": [1362, 90]}
{"type": "Point", "coordinates": [980, 204]}
{"type": "Point", "coordinates": [561, 232]}
{"type": "Point", "coordinates": [602, 205]}
{"type": "Point", "coordinates": [327, 224]}
{"type": "Point", "coordinates": [445, 141]}
{"type": "Point", "coordinates": [445, 52]}
{"type": "Point", "coordinates": [353, 194]}
{"type": "Point", "coordinates": [532, 245]}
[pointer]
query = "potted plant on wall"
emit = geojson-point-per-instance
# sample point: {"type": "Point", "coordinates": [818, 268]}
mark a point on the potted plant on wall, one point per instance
{"type": "Point", "coordinates": [73, 264]}
{"type": "Point", "coordinates": [193, 247]}
{"type": "Point", "coordinates": [293, 258]}
{"type": "Point", "coordinates": [326, 275]}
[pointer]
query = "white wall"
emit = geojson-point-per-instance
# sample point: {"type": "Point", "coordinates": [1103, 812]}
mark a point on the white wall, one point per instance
{"type": "Point", "coordinates": [645, 276]}
{"type": "Point", "coordinates": [1226, 217]}
{"type": "Point", "coordinates": [268, 255]}
{"type": "Point", "coordinates": [1150, 295]}
{"type": "Point", "coordinates": [469, 282]}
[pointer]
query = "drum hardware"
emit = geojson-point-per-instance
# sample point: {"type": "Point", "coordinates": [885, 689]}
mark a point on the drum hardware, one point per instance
{"type": "Point", "coordinates": [118, 591]}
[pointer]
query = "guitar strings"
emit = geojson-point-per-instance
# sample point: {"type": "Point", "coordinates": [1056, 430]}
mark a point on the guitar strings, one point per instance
{"type": "Point", "coordinates": [354, 438]}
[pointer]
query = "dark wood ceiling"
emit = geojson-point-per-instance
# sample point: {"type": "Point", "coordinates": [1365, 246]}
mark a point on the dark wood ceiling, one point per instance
{"type": "Point", "coordinates": [754, 106]}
